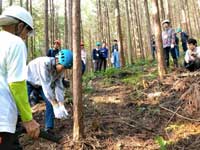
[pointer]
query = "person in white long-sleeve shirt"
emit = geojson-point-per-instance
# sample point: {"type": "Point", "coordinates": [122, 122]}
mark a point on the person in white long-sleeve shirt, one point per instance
{"type": "Point", "coordinates": [45, 74]}
{"type": "Point", "coordinates": [192, 56]}
{"type": "Point", "coordinates": [83, 58]}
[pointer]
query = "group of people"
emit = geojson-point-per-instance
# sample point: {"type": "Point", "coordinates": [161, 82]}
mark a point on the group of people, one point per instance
{"type": "Point", "coordinates": [100, 56]}
{"type": "Point", "coordinates": [170, 42]}
{"type": "Point", "coordinates": [18, 79]}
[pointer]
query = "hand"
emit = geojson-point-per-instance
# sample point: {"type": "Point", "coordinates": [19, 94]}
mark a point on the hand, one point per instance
{"type": "Point", "coordinates": [172, 45]}
{"type": "Point", "coordinates": [32, 128]}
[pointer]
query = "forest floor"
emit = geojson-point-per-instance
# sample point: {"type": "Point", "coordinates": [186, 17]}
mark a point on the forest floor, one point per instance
{"type": "Point", "coordinates": [148, 115]}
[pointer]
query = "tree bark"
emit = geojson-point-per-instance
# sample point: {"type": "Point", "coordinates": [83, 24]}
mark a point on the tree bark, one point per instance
{"type": "Point", "coordinates": [66, 26]}
{"type": "Point", "coordinates": [46, 28]}
{"type": "Point", "coordinates": [148, 25]}
{"type": "Point", "coordinates": [119, 32]}
{"type": "Point", "coordinates": [0, 6]}
{"type": "Point", "coordinates": [162, 10]}
{"type": "Point", "coordinates": [130, 58]}
{"type": "Point", "coordinates": [78, 127]}
{"type": "Point", "coordinates": [158, 39]}
{"type": "Point", "coordinates": [70, 24]}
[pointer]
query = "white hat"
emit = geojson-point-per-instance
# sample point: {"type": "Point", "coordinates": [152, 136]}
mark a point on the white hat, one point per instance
{"type": "Point", "coordinates": [165, 21]}
{"type": "Point", "coordinates": [13, 14]}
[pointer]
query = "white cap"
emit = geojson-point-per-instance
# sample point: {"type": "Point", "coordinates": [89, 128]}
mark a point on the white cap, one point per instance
{"type": "Point", "coordinates": [13, 14]}
{"type": "Point", "coordinates": [165, 21]}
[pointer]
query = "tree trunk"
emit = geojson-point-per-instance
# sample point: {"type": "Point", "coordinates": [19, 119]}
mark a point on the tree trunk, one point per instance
{"type": "Point", "coordinates": [119, 32]}
{"type": "Point", "coordinates": [66, 26]}
{"type": "Point", "coordinates": [184, 18]}
{"type": "Point", "coordinates": [78, 127]}
{"type": "Point", "coordinates": [31, 38]}
{"type": "Point", "coordinates": [46, 28]}
{"type": "Point", "coordinates": [21, 3]}
{"type": "Point", "coordinates": [168, 15]}
{"type": "Point", "coordinates": [11, 2]}
{"type": "Point", "coordinates": [70, 24]}
{"type": "Point", "coordinates": [188, 18]}
{"type": "Point", "coordinates": [130, 48]}
{"type": "Point", "coordinates": [148, 25]}
{"type": "Point", "coordinates": [158, 39]}
{"type": "Point", "coordinates": [0, 6]}
{"type": "Point", "coordinates": [162, 10]}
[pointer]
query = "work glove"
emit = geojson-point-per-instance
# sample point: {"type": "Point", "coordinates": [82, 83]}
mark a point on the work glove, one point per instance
{"type": "Point", "coordinates": [63, 111]}
{"type": "Point", "coordinates": [57, 112]}
{"type": "Point", "coordinates": [172, 45]}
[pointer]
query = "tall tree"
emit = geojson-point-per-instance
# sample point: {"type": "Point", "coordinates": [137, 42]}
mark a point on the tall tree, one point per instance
{"type": "Point", "coordinates": [66, 26]}
{"type": "Point", "coordinates": [148, 24]}
{"type": "Point", "coordinates": [168, 15]}
{"type": "Point", "coordinates": [162, 10]}
{"type": "Point", "coordinates": [70, 23]}
{"type": "Point", "coordinates": [0, 6]}
{"type": "Point", "coordinates": [11, 2]}
{"type": "Point", "coordinates": [119, 32]}
{"type": "Point", "coordinates": [130, 48]}
{"type": "Point", "coordinates": [46, 28]}
{"type": "Point", "coordinates": [160, 55]}
{"type": "Point", "coordinates": [31, 39]}
{"type": "Point", "coordinates": [78, 127]}
{"type": "Point", "coordinates": [21, 3]}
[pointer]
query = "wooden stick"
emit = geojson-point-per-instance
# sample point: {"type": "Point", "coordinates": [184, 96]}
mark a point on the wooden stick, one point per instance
{"type": "Point", "coordinates": [180, 116]}
{"type": "Point", "coordinates": [173, 116]}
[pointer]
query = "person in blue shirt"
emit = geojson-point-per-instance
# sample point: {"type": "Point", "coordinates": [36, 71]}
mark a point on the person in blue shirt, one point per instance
{"type": "Point", "coordinates": [95, 57]}
{"type": "Point", "coordinates": [52, 52]}
{"type": "Point", "coordinates": [103, 56]}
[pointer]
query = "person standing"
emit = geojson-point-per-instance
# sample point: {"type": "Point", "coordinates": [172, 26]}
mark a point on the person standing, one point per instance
{"type": "Point", "coordinates": [56, 48]}
{"type": "Point", "coordinates": [17, 24]}
{"type": "Point", "coordinates": [103, 56]}
{"type": "Point", "coordinates": [115, 55]}
{"type": "Point", "coordinates": [95, 57]}
{"type": "Point", "coordinates": [83, 58]}
{"type": "Point", "coordinates": [168, 38]}
{"type": "Point", "coordinates": [184, 38]}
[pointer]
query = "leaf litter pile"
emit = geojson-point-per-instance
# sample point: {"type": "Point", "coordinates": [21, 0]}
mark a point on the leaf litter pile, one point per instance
{"type": "Point", "coordinates": [151, 115]}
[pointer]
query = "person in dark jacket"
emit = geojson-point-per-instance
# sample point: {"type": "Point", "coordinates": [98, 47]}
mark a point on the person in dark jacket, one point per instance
{"type": "Point", "coordinates": [103, 56]}
{"type": "Point", "coordinates": [184, 38]}
{"type": "Point", "coordinates": [95, 57]}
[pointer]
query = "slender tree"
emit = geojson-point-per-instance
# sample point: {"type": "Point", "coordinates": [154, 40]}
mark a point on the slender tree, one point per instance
{"type": "Point", "coordinates": [130, 58]}
{"type": "Point", "coordinates": [70, 23]}
{"type": "Point", "coordinates": [66, 25]}
{"type": "Point", "coordinates": [119, 32]}
{"type": "Point", "coordinates": [160, 55]}
{"type": "Point", "coordinates": [46, 28]}
{"type": "Point", "coordinates": [11, 2]}
{"type": "Point", "coordinates": [78, 127]}
{"type": "Point", "coordinates": [148, 24]}
{"type": "Point", "coordinates": [0, 6]}
{"type": "Point", "coordinates": [21, 3]}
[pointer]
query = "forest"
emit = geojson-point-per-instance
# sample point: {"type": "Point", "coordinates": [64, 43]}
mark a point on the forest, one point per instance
{"type": "Point", "coordinates": [141, 103]}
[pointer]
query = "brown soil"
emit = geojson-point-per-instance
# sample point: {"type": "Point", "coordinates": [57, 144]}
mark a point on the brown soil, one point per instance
{"type": "Point", "coordinates": [129, 117]}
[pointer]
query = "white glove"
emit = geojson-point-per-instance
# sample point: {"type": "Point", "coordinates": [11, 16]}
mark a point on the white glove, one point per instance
{"type": "Point", "coordinates": [63, 111]}
{"type": "Point", "coordinates": [57, 112]}
{"type": "Point", "coordinates": [172, 45]}
{"type": "Point", "coordinates": [93, 61]}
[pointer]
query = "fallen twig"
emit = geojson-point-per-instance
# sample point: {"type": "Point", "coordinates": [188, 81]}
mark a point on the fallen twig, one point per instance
{"type": "Point", "coordinates": [178, 115]}
{"type": "Point", "coordinates": [173, 115]}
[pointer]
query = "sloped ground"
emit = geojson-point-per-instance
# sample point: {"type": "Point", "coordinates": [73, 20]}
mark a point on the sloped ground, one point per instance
{"type": "Point", "coordinates": [129, 117]}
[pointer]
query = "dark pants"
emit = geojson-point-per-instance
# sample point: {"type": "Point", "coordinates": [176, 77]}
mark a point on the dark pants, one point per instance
{"type": "Point", "coordinates": [192, 65]}
{"type": "Point", "coordinates": [103, 64]}
{"type": "Point", "coordinates": [9, 141]}
{"type": "Point", "coordinates": [83, 67]}
{"type": "Point", "coordinates": [168, 50]}
{"type": "Point", "coordinates": [153, 52]}
{"type": "Point", "coordinates": [184, 45]}
{"type": "Point", "coordinates": [49, 114]}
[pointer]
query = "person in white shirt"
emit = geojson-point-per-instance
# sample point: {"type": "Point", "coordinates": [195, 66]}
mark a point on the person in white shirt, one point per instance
{"type": "Point", "coordinates": [192, 56]}
{"type": "Point", "coordinates": [45, 74]}
{"type": "Point", "coordinates": [83, 58]}
{"type": "Point", "coordinates": [17, 24]}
